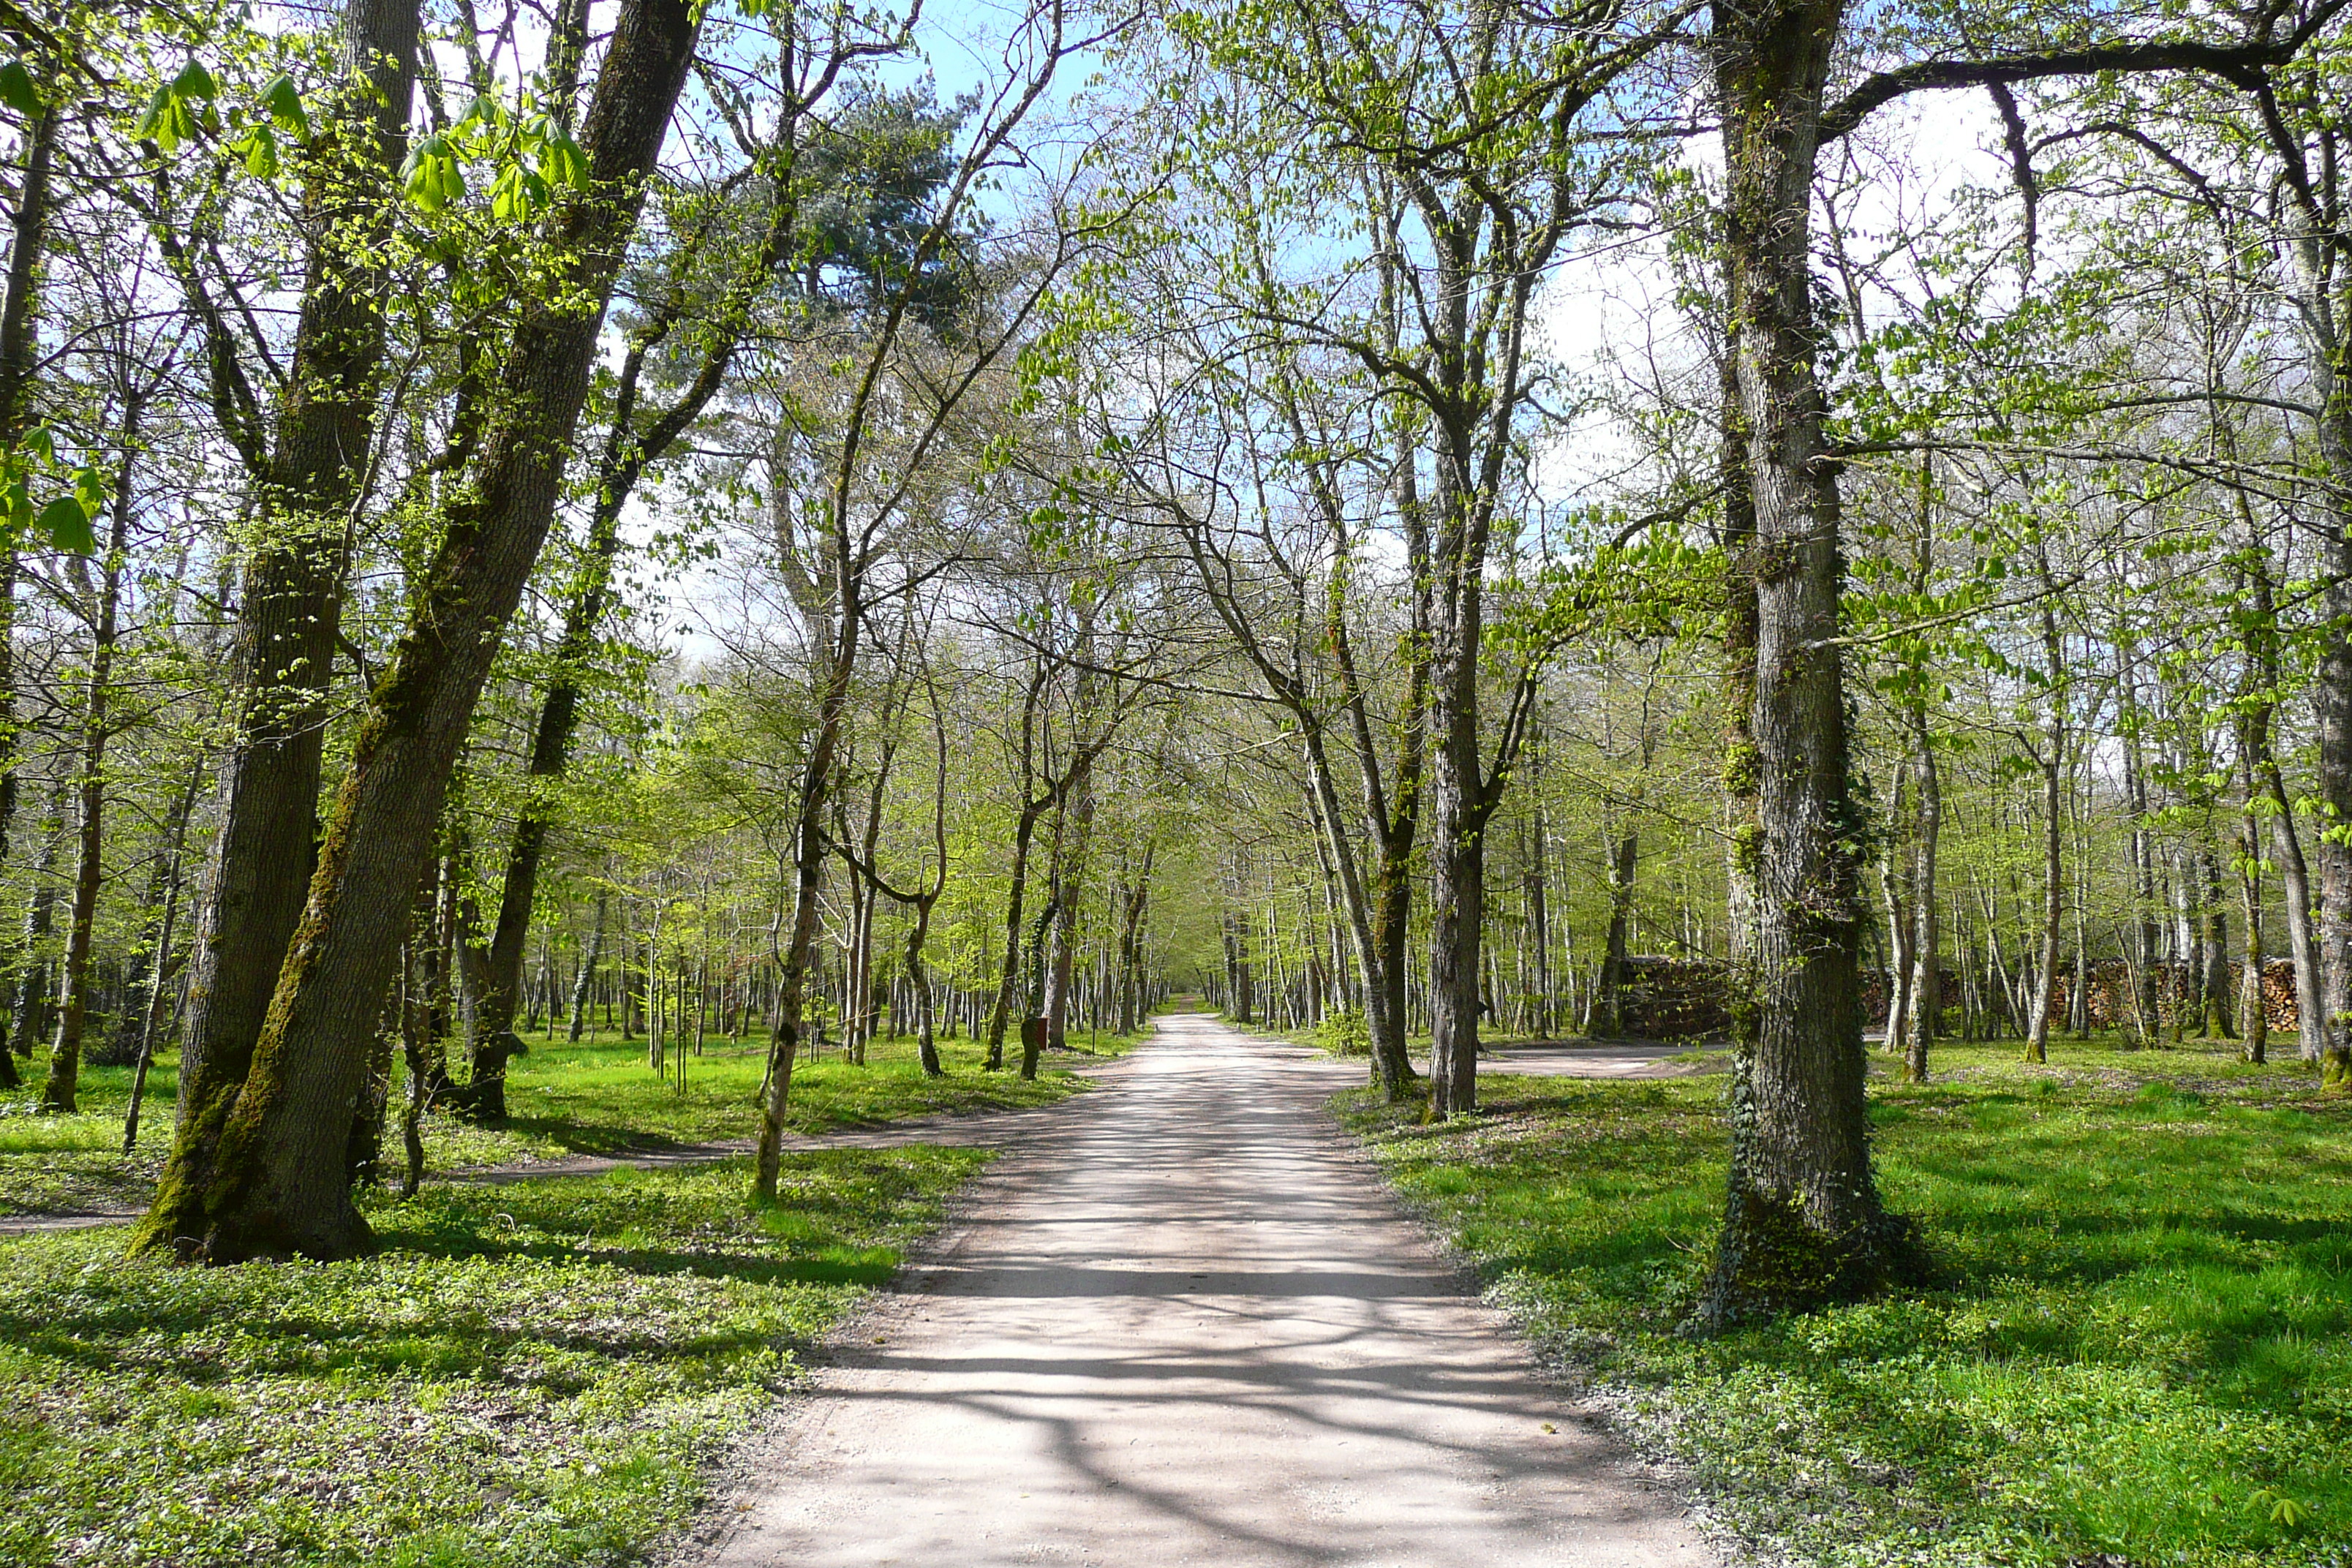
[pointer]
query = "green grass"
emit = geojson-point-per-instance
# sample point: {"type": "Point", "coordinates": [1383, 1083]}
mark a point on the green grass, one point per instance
{"type": "Point", "coordinates": [51, 1165]}
{"type": "Point", "coordinates": [530, 1375]}
{"type": "Point", "coordinates": [599, 1096]}
{"type": "Point", "coordinates": [2141, 1352]}
{"type": "Point", "coordinates": [595, 1098]}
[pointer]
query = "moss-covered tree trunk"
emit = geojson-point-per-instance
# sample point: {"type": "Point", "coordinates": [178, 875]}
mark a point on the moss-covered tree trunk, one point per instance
{"type": "Point", "coordinates": [284, 650]}
{"type": "Point", "coordinates": [281, 1184]}
{"type": "Point", "coordinates": [1458, 843]}
{"type": "Point", "coordinates": [1803, 1221]}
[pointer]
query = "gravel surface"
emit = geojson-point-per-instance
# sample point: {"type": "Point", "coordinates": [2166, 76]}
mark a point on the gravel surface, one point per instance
{"type": "Point", "coordinates": [1185, 1323]}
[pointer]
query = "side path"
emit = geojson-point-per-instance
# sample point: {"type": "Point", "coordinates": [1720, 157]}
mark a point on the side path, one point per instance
{"type": "Point", "coordinates": [976, 1129]}
{"type": "Point", "coordinates": [1191, 1327]}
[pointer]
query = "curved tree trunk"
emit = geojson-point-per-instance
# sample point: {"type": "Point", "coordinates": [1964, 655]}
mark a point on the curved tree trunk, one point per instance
{"type": "Point", "coordinates": [280, 1186]}
{"type": "Point", "coordinates": [285, 636]}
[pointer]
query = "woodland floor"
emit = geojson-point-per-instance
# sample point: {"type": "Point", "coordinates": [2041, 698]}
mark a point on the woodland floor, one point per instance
{"type": "Point", "coordinates": [535, 1370]}
{"type": "Point", "coordinates": [572, 1107]}
{"type": "Point", "coordinates": [1179, 1325]}
{"type": "Point", "coordinates": [2140, 1353]}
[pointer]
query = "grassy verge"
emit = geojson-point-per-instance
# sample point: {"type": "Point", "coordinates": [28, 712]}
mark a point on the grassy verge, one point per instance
{"type": "Point", "coordinates": [528, 1375]}
{"type": "Point", "coordinates": [598, 1097]}
{"type": "Point", "coordinates": [2141, 1354]}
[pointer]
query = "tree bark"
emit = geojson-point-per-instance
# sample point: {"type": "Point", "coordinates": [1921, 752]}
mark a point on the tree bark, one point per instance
{"type": "Point", "coordinates": [2253, 1010]}
{"type": "Point", "coordinates": [1069, 879]}
{"type": "Point", "coordinates": [58, 1094]}
{"type": "Point", "coordinates": [1803, 1221]}
{"type": "Point", "coordinates": [31, 1007]}
{"type": "Point", "coordinates": [19, 361]}
{"type": "Point", "coordinates": [1892, 876]}
{"type": "Point", "coordinates": [1926, 1014]}
{"type": "Point", "coordinates": [284, 651]}
{"type": "Point", "coordinates": [586, 979]}
{"type": "Point", "coordinates": [1608, 1010]}
{"type": "Point", "coordinates": [1134, 902]}
{"type": "Point", "coordinates": [281, 1186]}
{"type": "Point", "coordinates": [2053, 827]}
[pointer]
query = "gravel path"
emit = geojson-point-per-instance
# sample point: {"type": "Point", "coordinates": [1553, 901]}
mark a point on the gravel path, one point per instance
{"type": "Point", "coordinates": [1190, 1325]}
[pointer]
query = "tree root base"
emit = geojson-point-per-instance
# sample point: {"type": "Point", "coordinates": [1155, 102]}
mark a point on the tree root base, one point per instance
{"type": "Point", "coordinates": [1772, 1262]}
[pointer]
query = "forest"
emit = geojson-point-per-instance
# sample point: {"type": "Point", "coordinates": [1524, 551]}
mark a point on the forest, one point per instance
{"type": "Point", "coordinates": [739, 582]}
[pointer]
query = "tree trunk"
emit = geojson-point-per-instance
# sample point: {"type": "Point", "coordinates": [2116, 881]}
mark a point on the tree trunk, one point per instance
{"type": "Point", "coordinates": [1135, 897]}
{"type": "Point", "coordinates": [1541, 1020]}
{"type": "Point", "coordinates": [586, 979]}
{"type": "Point", "coordinates": [1803, 1221]}
{"type": "Point", "coordinates": [284, 651]}
{"type": "Point", "coordinates": [159, 966]}
{"type": "Point", "coordinates": [2053, 896]}
{"type": "Point", "coordinates": [1458, 811]}
{"type": "Point", "coordinates": [146, 975]}
{"type": "Point", "coordinates": [2147, 947]}
{"type": "Point", "coordinates": [30, 1010]}
{"type": "Point", "coordinates": [1926, 1014]}
{"type": "Point", "coordinates": [1008, 986]}
{"type": "Point", "coordinates": [89, 866]}
{"type": "Point", "coordinates": [2053, 827]}
{"type": "Point", "coordinates": [1244, 998]}
{"type": "Point", "coordinates": [1069, 879]}
{"type": "Point", "coordinates": [2215, 986]}
{"type": "Point", "coordinates": [280, 1186]}
{"type": "Point", "coordinates": [1608, 1006]}
{"type": "Point", "coordinates": [19, 362]}
{"type": "Point", "coordinates": [2254, 1011]}
{"type": "Point", "coordinates": [1892, 876]}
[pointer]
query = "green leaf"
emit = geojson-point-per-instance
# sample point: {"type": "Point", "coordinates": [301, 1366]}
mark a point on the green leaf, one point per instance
{"type": "Point", "coordinates": [260, 150]}
{"type": "Point", "coordinates": [562, 164]}
{"type": "Point", "coordinates": [284, 101]}
{"type": "Point", "coordinates": [68, 525]}
{"type": "Point", "coordinates": [17, 89]}
{"type": "Point", "coordinates": [430, 178]}
{"type": "Point", "coordinates": [518, 194]}
{"type": "Point", "coordinates": [195, 81]}
{"type": "Point", "coordinates": [40, 443]}
{"type": "Point", "coordinates": [157, 124]}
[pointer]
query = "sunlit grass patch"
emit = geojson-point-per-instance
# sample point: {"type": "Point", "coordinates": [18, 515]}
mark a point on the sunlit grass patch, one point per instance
{"type": "Point", "coordinates": [51, 1165]}
{"type": "Point", "coordinates": [600, 1097]}
{"type": "Point", "coordinates": [597, 1097]}
{"type": "Point", "coordinates": [2142, 1350]}
{"type": "Point", "coordinates": [532, 1373]}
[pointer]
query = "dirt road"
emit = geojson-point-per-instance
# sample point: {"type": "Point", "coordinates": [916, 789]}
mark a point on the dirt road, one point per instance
{"type": "Point", "coordinates": [1188, 1325]}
